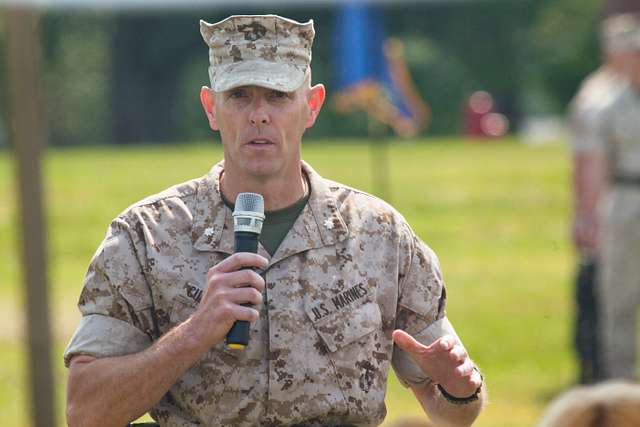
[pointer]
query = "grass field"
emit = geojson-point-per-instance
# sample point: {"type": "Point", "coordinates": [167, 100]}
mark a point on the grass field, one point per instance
{"type": "Point", "coordinates": [496, 214]}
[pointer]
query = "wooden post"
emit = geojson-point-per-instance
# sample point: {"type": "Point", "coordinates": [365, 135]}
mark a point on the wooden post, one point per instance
{"type": "Point", "coordinates": [28, 135]}
{"type": "Point", "coordinates": [379, 143]}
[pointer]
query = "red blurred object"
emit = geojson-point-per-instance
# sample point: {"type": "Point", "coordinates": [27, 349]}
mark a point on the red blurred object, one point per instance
{"type": "Point", "coordinates": [479, 118]}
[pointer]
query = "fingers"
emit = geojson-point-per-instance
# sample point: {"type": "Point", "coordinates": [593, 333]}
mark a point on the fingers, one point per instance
{"type": "Point", "coordinates": [465, 369]}
{"type": "Point", "coordinates": [232, 292]}
{"type": "Point", "coordinates": [228, 273]}
{"type": "Point", "coordinates": [227, 312]}
{"type": "Point", "coordinates": [239, 260]}
{"type": "Point", "coordinates": [445, 343]}
{"type": "Point", "coordinates": [240, 278]}
{"type": "Point", "coordinates": [458, 356]}
{"type": "Point", "coordinates": [240, 296]}
{"type": "Point", "coordinates": [463, 377]}
{"type": "Point", "coordinates": [245, 313]}
{"type": "Point", "coordinates": [476, 378]}
{"type": "Point", "coordinates": [444, 361]}
{"type": "Point", "coordinates": [229, 287]}
{"type": "Point", "coordinates": [458, 353]}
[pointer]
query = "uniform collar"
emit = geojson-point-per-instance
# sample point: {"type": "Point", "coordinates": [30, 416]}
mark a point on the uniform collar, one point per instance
{"type": "Point", "coordinates": [212, 228]}
{"type": "Point", "coordinates": [319, 224]}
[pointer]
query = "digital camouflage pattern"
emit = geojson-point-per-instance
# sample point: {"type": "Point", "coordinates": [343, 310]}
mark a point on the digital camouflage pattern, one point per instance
{"type": "Point", "coordinates": [262, 50]}
{"type": "Point", "coordinates": [349, 272]}
{"type": "Point", "coordinates": [605, 118]}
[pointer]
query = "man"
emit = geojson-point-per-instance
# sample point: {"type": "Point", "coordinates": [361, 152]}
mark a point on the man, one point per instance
{"type": "Point", "coordinates": [606, 135]}
{"type": "Point", "coordinates": [342, 279]}
{"type": "Point", "coordinates": [600, 85]}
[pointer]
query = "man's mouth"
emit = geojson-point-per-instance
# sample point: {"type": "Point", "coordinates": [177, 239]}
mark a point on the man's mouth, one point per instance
{"type": "Point", "coordinates": [260, 141]}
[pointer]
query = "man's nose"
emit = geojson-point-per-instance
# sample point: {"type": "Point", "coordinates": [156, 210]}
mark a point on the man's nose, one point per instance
{"type": "Point", "coordinates": [259, 114]}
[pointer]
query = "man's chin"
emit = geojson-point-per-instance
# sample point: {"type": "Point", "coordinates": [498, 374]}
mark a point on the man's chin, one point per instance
{"type": "Point", "coordinates": [261, 169]}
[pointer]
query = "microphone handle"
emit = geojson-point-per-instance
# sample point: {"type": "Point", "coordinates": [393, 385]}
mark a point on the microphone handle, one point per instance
{"type": "Point", "coordinates": [238, 336]}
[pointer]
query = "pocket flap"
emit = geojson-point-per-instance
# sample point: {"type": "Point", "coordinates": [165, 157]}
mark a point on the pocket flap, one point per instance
{"type": "Point", "coordinates": [346, 326]}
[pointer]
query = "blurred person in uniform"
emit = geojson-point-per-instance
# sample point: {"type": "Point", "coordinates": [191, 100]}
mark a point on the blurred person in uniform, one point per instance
{"type": "Point", "coordinates": [593, 93]}
{"type": "Point", "coordinates": [340, 291]}
{"type": "Point", "coordinates": [606, 140]}
{"type": "Point", "coordinates": [608, 404]}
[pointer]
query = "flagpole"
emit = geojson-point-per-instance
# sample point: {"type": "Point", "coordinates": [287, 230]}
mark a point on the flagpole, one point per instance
{"type": "Point", "coordinates": [380, 162]}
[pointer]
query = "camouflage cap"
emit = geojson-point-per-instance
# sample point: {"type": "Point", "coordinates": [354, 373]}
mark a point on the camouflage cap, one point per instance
{"type": "Point", "coordinates": [621, 32]}
{"type": "Point", "coordinates": [262, 50]}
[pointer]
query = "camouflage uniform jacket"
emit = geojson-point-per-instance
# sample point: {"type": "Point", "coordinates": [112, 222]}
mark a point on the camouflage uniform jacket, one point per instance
{"type": "Point", "coordinates": [348, 273]}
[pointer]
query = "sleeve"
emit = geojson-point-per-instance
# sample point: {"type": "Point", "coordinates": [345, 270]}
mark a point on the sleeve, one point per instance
{"type": "Point", "coordinates": [589, 125]}
{"type": "Point", "coordinates": [114, 302]}
{"type": "Point", "coordinates": [421, 307]}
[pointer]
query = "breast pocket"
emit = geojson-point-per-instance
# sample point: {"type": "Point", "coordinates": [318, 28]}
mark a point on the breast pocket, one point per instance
{"type": "Point", "coordinates": [348, 325]}
{"type": "Point", "coordinates": [355, 343]}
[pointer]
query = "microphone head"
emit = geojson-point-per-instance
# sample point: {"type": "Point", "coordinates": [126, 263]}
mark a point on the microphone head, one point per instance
{"type": "Point", "coordinates": [248, 214]}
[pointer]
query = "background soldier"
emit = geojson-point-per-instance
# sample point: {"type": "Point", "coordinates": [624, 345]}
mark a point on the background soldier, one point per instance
{"type": "Point", "coordinates": [592, 95]}
{"type": "Point", "coordinates": [606, 130]}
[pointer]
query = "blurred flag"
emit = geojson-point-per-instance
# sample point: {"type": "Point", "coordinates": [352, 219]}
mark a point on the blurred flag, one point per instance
{"type": "Point", "coordinates": [371, 71]}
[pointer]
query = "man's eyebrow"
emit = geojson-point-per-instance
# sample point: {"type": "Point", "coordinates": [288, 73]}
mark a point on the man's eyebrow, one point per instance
{"type": "Point", "coordinates": [289, 94]}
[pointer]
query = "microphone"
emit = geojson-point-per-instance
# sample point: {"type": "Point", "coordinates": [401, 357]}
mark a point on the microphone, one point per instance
{"type": "Point", "coordinates": [248, 217]}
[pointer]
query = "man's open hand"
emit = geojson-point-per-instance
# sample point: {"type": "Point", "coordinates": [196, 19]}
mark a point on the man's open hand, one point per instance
{"type": "Point", "coordinates": [445, 361]}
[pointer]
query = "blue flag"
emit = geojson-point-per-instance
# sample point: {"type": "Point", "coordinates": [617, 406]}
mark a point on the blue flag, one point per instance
{"type": "Point", "coordinates": [371, 71]}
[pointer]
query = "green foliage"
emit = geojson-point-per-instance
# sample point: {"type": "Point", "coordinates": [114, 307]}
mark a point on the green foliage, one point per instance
{"type": "Point", "coordinates": [566, 41]}
{"type": "Point", "coordinates": [135, 77]}
{"type": "Point", "coordinates": [496, 214]}
{"type": "Point", "coordinates": [76, 49]}
{"type": "Point", "coordinates": [470, 46]}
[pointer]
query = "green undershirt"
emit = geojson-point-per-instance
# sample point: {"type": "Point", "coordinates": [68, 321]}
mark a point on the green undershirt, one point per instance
{"type": "Point", "coordinates": [277, 223]}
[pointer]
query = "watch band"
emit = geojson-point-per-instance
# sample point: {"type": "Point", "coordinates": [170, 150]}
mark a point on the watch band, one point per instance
{"type": "Point", "coordinates": [462, 400]}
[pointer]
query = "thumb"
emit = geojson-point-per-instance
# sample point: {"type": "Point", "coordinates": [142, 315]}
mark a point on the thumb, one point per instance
{"type": "Point", "coordinates": [408, 343]}
{"type": "Point", "coordinates": [444, 343]}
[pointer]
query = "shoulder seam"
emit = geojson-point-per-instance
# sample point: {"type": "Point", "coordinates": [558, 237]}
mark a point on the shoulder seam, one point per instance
{"type": "Point", "coordinates": [338, 186]}
{"type": "Point", "coordinates": [155, 198]}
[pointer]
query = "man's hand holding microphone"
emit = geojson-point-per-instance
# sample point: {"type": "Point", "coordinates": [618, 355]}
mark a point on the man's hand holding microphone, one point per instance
{"type": "Point", "coordinates": [234, 289]}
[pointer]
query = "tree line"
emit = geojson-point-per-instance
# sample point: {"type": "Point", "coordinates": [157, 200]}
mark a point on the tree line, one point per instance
{"type": "Point", "coordinates": [134, 77]}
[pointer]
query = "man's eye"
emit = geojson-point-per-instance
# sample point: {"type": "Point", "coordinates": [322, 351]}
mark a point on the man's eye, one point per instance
{"type": "Point", "coordinates": [236, 94]}
{"type": "Point", "coordinates": [279, 94]}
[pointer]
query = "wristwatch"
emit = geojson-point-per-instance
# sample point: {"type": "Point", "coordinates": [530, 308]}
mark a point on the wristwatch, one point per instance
{"type": "Point", "coordinates": [462, 400]}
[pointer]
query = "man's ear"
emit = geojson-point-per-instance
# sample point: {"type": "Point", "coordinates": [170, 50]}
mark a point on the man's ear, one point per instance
{"type": "Point", "coordinates": [208, 102]}
{"type": "Point", "coordinates": [315, 100]}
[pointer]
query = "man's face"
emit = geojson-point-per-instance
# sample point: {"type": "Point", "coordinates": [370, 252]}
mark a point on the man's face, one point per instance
{"type": "Point", "coordinates": [261, 129]}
